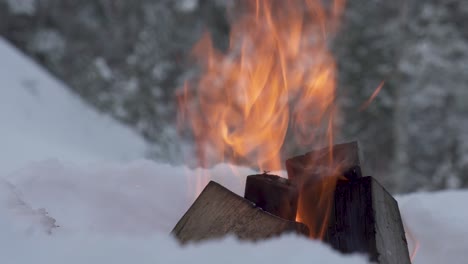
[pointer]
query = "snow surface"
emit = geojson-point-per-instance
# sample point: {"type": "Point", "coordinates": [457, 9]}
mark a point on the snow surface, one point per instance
{"type": "Point", "coordinates": [439, 221]}
{"type": "Point", "coordinates": [27, 7]}
{"type": "Point", "coordinates": [117, 212]}
{"type": "Point", "coordinates": [41, 119]}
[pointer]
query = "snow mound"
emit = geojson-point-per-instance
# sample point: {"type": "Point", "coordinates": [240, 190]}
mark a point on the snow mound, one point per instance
{"type": "Point", "coordinates": [121, 212]}
{"type": "Point", "coordinates": [21, 216]}
{"type": "Point", "coordinates": [40, 119]}
{"type": "Point", "coordinates": [438, 222]}
{"type": "Point", "coordinates": [116, 213]}
{"type": "Point", "coordinates": [160, 249]}
{"type": "Point", "coordinates": [110, 198]}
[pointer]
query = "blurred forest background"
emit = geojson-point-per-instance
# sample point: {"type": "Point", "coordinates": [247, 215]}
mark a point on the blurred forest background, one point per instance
{"type": "Point", "coordinates": [128, 58]}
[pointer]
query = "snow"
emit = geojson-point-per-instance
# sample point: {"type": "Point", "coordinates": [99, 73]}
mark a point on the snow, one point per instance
{"type": "Point", "coordinates": [103, 68]}
{"type": "Point", "coordinates": [114, 211]}
{"type": "Point", "coordinates": [27, 7]}
{"type": "Point", "coordinates": [159, 249]}
{"type": "Point", "coordinates": [439, 222]}
{"type": "Point", "coordinates": [119, 213]}
{"type": "Point", "coordinates": [49, 41]}
{"type": "Point", "coordinates": [186, 5]}
{"type": "Point", "coordinates": [41, 119]}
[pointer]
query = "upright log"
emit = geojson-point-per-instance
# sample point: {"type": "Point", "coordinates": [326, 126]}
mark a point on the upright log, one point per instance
{"type": "Point", "coordinates": [316, 173]}
{"type": "Point", "coordinates": [273, 194]}
{"type": "Point", "coordinates": [365, 218]}
{"type": "Point", "coordinates": [218, 212]}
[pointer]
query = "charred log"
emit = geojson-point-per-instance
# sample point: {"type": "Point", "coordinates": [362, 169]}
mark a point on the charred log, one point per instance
{"type": "Point", "coordinates": [345, 157]}
{"type": "Point", "coordinates": [273, 194]}
{"type": "Point", "coordinates": [365, 218]}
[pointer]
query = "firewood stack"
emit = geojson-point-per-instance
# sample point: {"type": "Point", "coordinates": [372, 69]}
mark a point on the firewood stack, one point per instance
{"type": "Point", "coordinates": [363, 216]}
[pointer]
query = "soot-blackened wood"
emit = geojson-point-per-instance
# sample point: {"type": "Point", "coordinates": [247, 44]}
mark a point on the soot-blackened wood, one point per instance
{"type": "Point", "coordinates": [273, 194]}
{"type": "Point", "coordinates": [365, 218]}
{"type": "Point", "coordinates": [345, 156]}
{"type": "Point", "coordinates": [315, 173]}
{"type": "Point", "coordinates": [218, 211]}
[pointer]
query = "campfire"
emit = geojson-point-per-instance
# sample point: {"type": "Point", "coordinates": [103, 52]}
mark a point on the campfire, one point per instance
{"type": "Point", "coordinates": [277, 80]}
{"type": "Point", "coordinates": [363, 216]}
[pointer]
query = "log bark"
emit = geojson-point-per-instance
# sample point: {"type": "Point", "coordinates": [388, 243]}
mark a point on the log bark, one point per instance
{"type": "Point", "coordinates": [344, 156]}
{"type": "Point", "coordinates": [365, 218]}
{"type": "Point", "coordinates": [273, 194]}
{"type": "Point", "coordinates": [218, 212]}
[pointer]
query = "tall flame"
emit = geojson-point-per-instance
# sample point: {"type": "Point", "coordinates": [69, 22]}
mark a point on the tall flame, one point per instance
{"type": "Point", "coordinates": [277, 73]}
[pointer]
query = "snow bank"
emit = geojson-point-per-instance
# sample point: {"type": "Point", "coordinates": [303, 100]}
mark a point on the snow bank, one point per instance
{"type": "Point", "coordinates": [114, 213]}
{"type": "Point", "coordinates": [41, 119]}
{"type": "Point", "coordinates": [161, 249]}
{"type": "Point", "coordinates": [134, 199]}
{"type": "Point", "coordinates": [439, 223]}
{"type": "Point", "coordinates": [124, 212]}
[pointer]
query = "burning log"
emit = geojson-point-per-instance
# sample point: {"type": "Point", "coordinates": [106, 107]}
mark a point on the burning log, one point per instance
{"type": "Point", "coordinates": [343, 156]}
{"type": "Point", "coordinates": [365, 218]}
{"type": "Point", "coordinates": [316, 173]}
{"type": "Point", "coordinates": [350, 212]}
{"type": "Point", "coordinates": [273, 194]}
{"type": "Point", "coordinates": [218, 212]}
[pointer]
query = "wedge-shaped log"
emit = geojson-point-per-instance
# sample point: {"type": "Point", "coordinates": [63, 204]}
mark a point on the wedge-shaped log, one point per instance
{"type": "Point", "coordinates": [218, 212]}
{"type": "Point", "coordinates": [365, 218]}
{"type": "Point", "coordinates": [344, 156]}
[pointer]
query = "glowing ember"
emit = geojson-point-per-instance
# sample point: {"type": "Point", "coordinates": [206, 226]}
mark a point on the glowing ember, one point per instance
{"type": "Point", "coordinates": [277, 73]}
{"type": "Point", "coordinates": [372, 97]}
{"type": "Point", "coordinates": [415, 242]}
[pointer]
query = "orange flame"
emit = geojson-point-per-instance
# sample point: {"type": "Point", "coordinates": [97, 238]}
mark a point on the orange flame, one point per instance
{"type": "Point", "coordinates": [277, 74]}
{"type": "Point", "coordinates": [415, 242]}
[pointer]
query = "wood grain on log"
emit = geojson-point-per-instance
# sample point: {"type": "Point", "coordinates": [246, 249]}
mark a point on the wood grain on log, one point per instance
{"type": "Point", "coordinates": [218, 212]}
{"type": "Point", "coordinates": [365, 218]}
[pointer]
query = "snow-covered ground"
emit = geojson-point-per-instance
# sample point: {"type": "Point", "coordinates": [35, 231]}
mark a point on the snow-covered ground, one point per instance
{"type": "Point", "coordinates": [439, 221]}
{"type": "Point", "coordinates": [74, 189]}
{"type": "Point", "coordinates": [123, 213]}
{"type": "Point", "coordinates": [40, 119]}
{"type": "Point", "coordinates": [114, 213]}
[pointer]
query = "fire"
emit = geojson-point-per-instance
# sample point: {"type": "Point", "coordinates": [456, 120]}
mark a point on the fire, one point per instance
{"type": "Point", "coordinates": [414, 240]}
{"type": "Point", "coordinates": [277, 78]}
{"type": "Point", "coordinates": [376, 92]}
{"type": "Point", "coordinates": [277, 74]}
